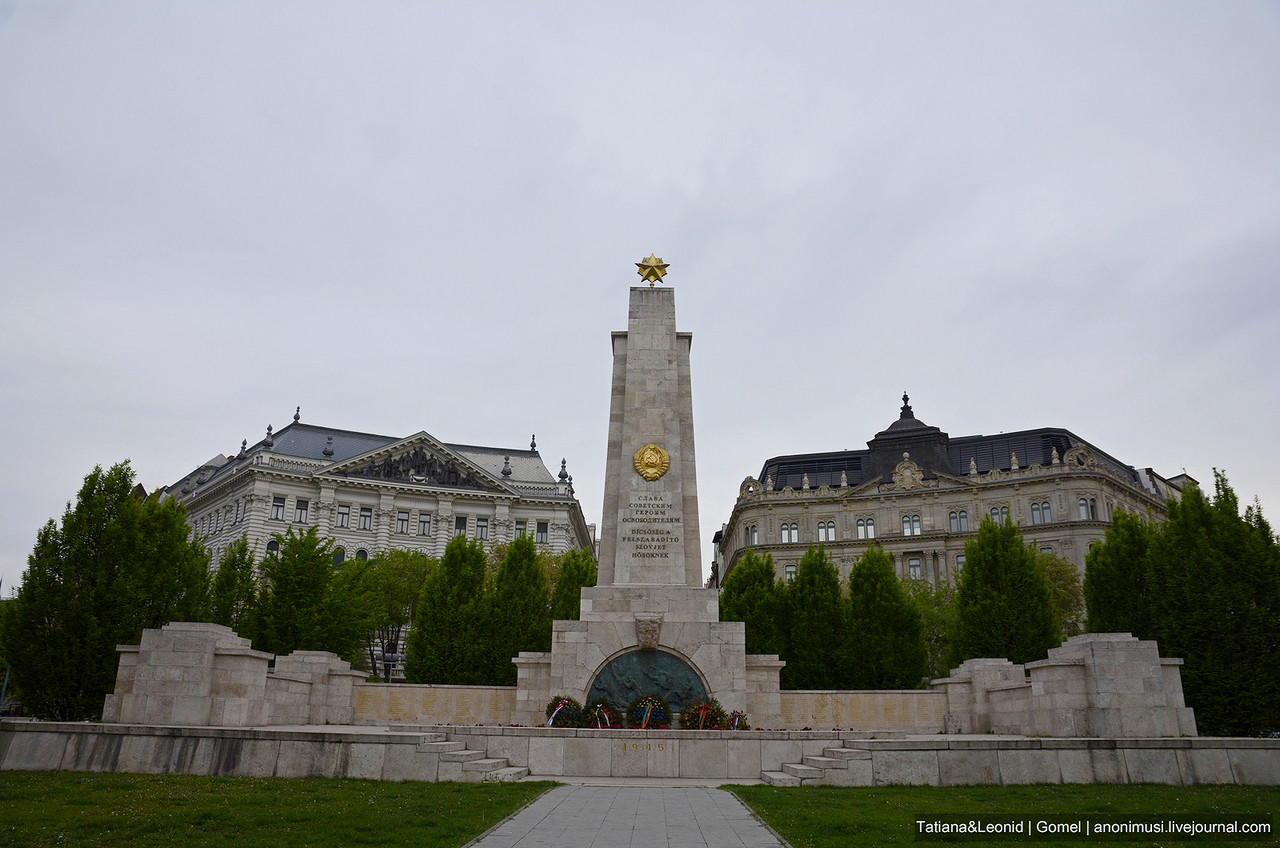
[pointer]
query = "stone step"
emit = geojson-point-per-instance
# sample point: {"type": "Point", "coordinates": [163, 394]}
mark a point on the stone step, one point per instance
{"type": "Point", "coordinates": [509, 774]}
{"type": "Point", "coordinates": [461, 756]}
{"type": "Point", "coordinates": [441, 746]}
{"type": "Point", "coordinates": [847, 753]}
{"type": "Point", "coordinates": [432, 737]}
{"type": "Point", "coordinates": [485, 763]}
{"type": "Point", "coordinates": [778, 778]}
{"type": "Point", "coordinates": [802, 771]}
{"type": "Point", "coordinates": [825, 762]}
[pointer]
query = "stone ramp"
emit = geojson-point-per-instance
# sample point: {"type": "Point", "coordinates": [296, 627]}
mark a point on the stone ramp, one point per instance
{"type": "Point", "coordinates": [626, 816]}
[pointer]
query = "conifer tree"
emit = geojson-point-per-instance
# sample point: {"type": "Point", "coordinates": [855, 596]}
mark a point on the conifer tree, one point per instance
{"type": "Point", "coordinates": [234, 597]}
{"type": "Point", "coordinates": [815, 625]}
{"type": "Point", "coordinates": [577, 570]}
{"type": "Point", "coordinates": [446, 644]}
{"type": "Point", "coordinates": [305, 604]}
{"type": "Point", "coordinates": [1117, 589]}
{"type": "Point", "coordinates": [116, 564]}
{"type": "Point", "coordinates": [519, 614]}
{"type": "Point", "coordinates": [1215, 592]}
{"type": "Point", "coordinates": [751, 594]}
{"type": "Point", "coordinates": [1004, 607]}
{"type": "Point", "coordinates": [1065, 592]}
{"type": "Point", "coordinates": [885, 643]}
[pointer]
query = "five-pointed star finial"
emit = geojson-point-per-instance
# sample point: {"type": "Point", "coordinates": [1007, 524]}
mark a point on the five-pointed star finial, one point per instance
{"type": "Point", "coordinates": [652, 269]}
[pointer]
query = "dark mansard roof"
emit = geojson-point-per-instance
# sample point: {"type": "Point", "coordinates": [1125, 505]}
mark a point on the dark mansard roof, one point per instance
{"type": "Point", "coordinates": [935, 452]}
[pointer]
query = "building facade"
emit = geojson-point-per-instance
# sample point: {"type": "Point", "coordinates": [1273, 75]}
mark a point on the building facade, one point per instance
{"type": "Point", "coordinates": [372, 493]}
{"type": "Point", "coordinates": [921, 494]}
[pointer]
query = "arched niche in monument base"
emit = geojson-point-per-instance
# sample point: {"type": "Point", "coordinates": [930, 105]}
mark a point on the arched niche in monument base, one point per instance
{"type": "Point", "coordinates": [633, 673]}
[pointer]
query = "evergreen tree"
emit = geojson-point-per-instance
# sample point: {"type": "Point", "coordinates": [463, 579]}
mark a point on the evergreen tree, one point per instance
{"type": "Point", "coordinates": [1215, 592]}
{"type": "Point", "coordinates": [751, 594]}
{"type": "Point", "coordinates": [519, 615]}
{"type": "Point", "coordinates": [234, 601]}
{"type": "Point", "coordinates": [577, 570]}
{"type": "Point", "coordinates": [306, 605]}
{"type": "Point", "coordinates": [1117, 588]}
{"type": "Point", "coordinates": [937, 605]}
{"type": "Point", "coordinates": [447, 640]}
{"type": "Point", "coordinates": [115, 565]}
{"type": "Point", "coordinates": [885, 646]}
{"type": "Point", "coordinates": [815, 631]}
{"type": "Point", "coordinates": [1065, 592]}
{"type": "Point", "coordinates": [1004, 605]}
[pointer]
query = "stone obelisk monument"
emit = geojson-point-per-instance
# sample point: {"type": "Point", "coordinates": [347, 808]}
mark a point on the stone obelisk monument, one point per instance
{"type": "Point", "coordinates": [649, 626]}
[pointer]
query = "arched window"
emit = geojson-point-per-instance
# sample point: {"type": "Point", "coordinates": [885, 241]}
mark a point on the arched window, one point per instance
{"type": "Point", "coordinates": [960, 560]}
{"type": "Point", "coordinates": [1093, 509]}
{"type": "Point", "coordinates": [871, 528]}
{"type": "Point", "coordinates": [995, 514]}
{"type": "Point", "coordinates": [1046, 512]}
{"type": "Point", "coordinates": [964, 521]}
{"type": "Point", "coordinates": [906, 525]}
{"type": "Point", "coordinates": [1035, 513]}
{"type": "Point", "coordinates": [954, 519]}
{"type": "Point", "coordinates": [362, 555]}
{"type": "Point", "coordinates": [339, 554]}
{"type": "Point", "coordinates": [826, 531]}
{"type": "Point", "coordinates": [790, 533]}
{"type": "Point", "coordinates": [755, 535]}
{"type": "Point", "coordinates": [273, 547]}
{"type": "Point", "coordinates": [1004, 515]}
{"type": "Point", "coordinates": [862, 529]}
{"type": "Point", "coordinates": [915, 525]}
{"type": "Point", "coordinates": [1083, 506]}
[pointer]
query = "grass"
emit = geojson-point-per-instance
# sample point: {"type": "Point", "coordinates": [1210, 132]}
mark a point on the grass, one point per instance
{"type": "Point", "coordinates": [141, 811]}
{"type": "Point", "coordinates": [826, 817]}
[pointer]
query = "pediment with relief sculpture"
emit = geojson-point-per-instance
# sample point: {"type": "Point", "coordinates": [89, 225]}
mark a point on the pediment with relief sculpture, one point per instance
{"type": "Point", "coordinates": [418, 460]}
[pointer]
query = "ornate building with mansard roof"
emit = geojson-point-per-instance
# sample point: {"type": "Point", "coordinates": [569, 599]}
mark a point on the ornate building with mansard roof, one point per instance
{"type": "Point", "coordinates": [374, 493]}
{"type": "Point", "coordinates": [921, 494]}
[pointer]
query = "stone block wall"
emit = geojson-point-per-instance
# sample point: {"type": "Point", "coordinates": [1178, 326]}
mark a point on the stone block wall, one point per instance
{"type": "Point", "coordinates": [195, 674]}
{"type": "Point", "coordinates": [1093, 685]}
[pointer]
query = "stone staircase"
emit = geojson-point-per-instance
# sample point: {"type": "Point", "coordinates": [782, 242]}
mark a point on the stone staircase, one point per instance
{"type": "Point", "coordinates": [459, 763]}
{"type": "Point", "coordinates": [835, 767]}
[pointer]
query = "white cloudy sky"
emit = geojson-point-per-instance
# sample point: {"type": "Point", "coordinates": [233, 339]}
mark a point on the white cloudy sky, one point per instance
{"type": "Point", "coordinates": [409, 216]}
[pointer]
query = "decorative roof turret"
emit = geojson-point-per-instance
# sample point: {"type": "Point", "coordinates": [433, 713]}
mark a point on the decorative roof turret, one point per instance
{"type": "Point", "coordinates": [533, 442]}
{"type": "Point", "coordinates": [268, 441]}
{"type": "Point", "coordinates": [564, 474]}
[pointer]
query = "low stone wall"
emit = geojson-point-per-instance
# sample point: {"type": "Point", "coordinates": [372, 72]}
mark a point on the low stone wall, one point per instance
{"type": "Point", "coordinates": [911, 710]}
{"type": "Point", "coordinates": [816, 757]}
{"type": "Point", "coordinates": [389, 703]}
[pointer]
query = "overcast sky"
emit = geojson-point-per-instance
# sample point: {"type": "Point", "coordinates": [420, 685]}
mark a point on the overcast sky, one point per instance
{"type": "Point", "coordinates": [408, 216]}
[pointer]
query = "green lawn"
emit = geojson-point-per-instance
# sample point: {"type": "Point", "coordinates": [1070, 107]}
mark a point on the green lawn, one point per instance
{"type": "Point", "coordinates": [76, 809]}
{"type": "Point", "coordinates": [825, 817]}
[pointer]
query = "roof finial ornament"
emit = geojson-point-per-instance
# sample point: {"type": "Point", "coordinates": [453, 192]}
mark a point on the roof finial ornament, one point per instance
{"type": "Point", "coordinates": [533, 442]}
{"type": "Point", "coordinates": [906, 406]}
{"type": "Point", "coordinates": [297, 415]}
{"type": "Point", "coordinates": [506, 466]}
{"type": "Point", "coordinates": [268, 441]}
{"type": "Point", "coordinates": [564, 474]}
{"type": "Point", "coordinates": [244, 448]}
{"type": "Point", "coordinates": [652, 270]}
{"type": "Point", "coordinates": [328, 445]}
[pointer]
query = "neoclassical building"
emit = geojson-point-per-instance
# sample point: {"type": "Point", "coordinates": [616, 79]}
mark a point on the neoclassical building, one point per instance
{"type": "Point", "coordinates": [374, 493]}
{"type": "Point", "coordinates": [921, 494]}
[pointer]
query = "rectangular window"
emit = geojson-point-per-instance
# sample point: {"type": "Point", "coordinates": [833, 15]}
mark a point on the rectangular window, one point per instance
{"type": "Point", "coordinates": [460, 525]}
{"type": "Point", "coordinates": [424, 524]}
{"type": "Point", "coordinates": [960, 560]}
{"type": "Point", "coordinates": [541, 538]}
{"type": "Point", "coordinates": [482, 528]}
{"type": "Point", "coordinates": [277, 509]}
{"type": "Point", "coordinates": [913, 568]}
{"type": "Point", "coordinates": [402, 522]}
{"type": "Point", "coordinates": [344, 515]}
{"type": "Point", "coordinates": [366, 518]}
{"type": "Point", "coordinates": [790, 571]}
{"type": "Point", "coordinates": [522, 527]}
{"type": "Point", "coordinates": [300, 511]}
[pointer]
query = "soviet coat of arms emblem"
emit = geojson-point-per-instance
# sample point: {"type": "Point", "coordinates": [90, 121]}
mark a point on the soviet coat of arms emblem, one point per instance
{"type": "Point", "coordinates": [652, 462]}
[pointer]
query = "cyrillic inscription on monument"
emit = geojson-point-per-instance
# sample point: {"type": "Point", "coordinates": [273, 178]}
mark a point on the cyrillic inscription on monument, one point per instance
{"type": "Point", "coordinates": [650, 528]}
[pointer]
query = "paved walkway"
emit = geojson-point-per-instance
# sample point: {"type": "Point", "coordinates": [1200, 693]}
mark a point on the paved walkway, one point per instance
{"type": "Point", "coordinates": [625, 816]}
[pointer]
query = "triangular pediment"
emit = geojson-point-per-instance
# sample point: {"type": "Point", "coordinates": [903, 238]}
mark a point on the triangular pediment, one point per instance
{"type": "Point", "coordinates": [419, 460]}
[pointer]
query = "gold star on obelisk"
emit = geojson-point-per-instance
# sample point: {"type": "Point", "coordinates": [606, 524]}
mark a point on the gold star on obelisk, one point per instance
{"type": "Point", "coordinates": [652, 269]}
